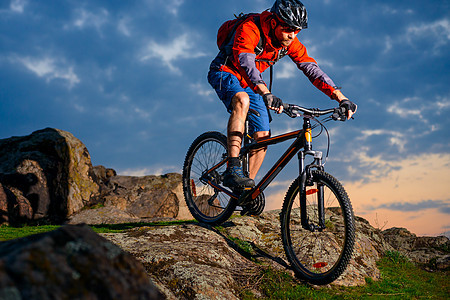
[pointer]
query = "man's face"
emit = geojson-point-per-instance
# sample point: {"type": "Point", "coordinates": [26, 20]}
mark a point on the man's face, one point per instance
{"type": "Point", "coordinates": [285, 34]}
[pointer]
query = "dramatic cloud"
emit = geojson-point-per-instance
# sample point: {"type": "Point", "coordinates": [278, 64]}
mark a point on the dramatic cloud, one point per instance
{"type": "Point", "coordinates": [128, 78]}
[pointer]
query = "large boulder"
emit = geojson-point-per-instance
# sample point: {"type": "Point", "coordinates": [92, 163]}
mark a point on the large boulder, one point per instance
{"type": "Point", "coordinates": [47, 174]}
{"type": "Point", "coordinates": [72, 262]}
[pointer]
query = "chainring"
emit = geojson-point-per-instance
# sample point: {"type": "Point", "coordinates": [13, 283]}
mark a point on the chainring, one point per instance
{"type": "Point", "coordinates": [255, 207]}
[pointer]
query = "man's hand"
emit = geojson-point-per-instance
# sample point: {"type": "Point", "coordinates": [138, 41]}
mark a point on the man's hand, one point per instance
{"type": "Point", "coordinates": [349, 106]}
{"type": "Point", "coordinates": [273, 102]}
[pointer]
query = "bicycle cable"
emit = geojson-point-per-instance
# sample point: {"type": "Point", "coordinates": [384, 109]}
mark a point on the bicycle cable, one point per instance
{"type": "Point", "coordinates": [322, 127]}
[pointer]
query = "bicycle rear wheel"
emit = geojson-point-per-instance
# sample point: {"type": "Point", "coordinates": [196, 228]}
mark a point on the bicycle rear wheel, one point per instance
{"type": "Point", "coordinates": [206, 204]}
{"type": "Point", "coordinates": [318, 253]}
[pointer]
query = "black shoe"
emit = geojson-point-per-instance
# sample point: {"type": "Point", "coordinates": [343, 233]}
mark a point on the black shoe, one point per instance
{"type": "Point", "coordinates": [234, 177]}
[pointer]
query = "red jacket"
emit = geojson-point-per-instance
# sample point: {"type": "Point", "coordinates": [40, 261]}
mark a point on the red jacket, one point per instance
{"type": "Point", "coordinates": [244, 63]}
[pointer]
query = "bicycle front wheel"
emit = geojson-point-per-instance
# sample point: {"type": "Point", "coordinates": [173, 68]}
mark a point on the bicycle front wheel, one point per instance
{"type": "Point", "coordinates": [206, 204]}
{"type": "Point", "coordinates": [319, 249]}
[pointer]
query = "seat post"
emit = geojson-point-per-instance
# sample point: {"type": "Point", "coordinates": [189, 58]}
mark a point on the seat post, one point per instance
{"type": "Point", "coordinates": [245, 158]}
{"type": "Point", "coordinates": [247, 139]}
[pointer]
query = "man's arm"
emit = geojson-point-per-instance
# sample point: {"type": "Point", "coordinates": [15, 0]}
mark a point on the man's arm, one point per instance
{"type": "Point", "coordinates": [315, 74]}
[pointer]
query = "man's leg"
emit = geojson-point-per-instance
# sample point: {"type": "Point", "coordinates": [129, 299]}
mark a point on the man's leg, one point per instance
{"type": "Point", "coordinates": [236, 123]}
{"type": "Point", "coordinates": [234, 176]}
{"type": "Point", "coordinates": [256, 157]}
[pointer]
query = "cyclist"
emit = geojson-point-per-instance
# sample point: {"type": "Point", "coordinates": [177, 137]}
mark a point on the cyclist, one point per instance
{"type": "Point", "coordinates": [237, 79]}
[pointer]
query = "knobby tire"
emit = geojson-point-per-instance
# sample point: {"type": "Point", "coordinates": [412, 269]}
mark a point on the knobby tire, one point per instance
{"type": "Point", "coordinates": [318, 256]}
{"type": "Point", "coordinates": [206, 204]}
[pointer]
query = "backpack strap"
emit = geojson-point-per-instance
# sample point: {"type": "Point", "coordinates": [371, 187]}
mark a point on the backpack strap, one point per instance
{"type": "Point", "coordinates": [281, 53]}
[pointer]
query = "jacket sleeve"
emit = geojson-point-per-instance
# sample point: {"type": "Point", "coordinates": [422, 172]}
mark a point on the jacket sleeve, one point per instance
{"type": "Point", "coordinates": [309, 67]}
{"type": "Point", "coordinates": [246, 38]}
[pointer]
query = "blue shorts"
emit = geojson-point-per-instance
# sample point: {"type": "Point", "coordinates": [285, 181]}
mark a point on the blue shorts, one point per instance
{"type": "Point", "coordinates": [227, 85]}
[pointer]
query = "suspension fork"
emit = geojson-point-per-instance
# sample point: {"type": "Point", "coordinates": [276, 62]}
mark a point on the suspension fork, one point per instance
{"type": "Point", "coordinates": [307, 180]}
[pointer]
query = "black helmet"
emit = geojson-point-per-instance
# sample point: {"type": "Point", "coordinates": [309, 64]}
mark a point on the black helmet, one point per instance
{"type": "Point", "coordinates": [292, 12]}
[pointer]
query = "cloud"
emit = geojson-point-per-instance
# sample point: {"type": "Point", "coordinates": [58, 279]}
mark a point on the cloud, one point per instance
{"type": "Point", "coordinates": [442, 103]}
{"type": "Point", "coordinates": [18, 6]}
{"type": "Point", "coordinates": [182, 47]}
{"type": "Point", "coordinates": [171, 6]}
{"type": "Point", "coordinates": [156, 170]}
{"type": "Point", "coordinates": [86, 18]}
{"type": "Point", "coordinates": [203, 90]}
{"type": "Point", "coordinates": [419, 109]}
{"type": "Point", "coordinates": [406, 111]}
{"type": "Point", "coordinates": [389, 10]}
{"type": "Point", "coordinates": [395, 138]}
{"type": "Point", "coordinates": [286, 70]}
{"type": "Point", "coordinates": [50, 69]}
{"type": "Point", "coordinates": [441, 205]}
{"type": "Point", "coordinates": [123, 27]}
{"type": "Point", "coordinates": [427, 37]}
{"type": "Point", "coordinates": [440, 29]}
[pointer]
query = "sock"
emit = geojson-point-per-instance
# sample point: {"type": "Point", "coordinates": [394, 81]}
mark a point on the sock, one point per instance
{"type": "Point", "coordinates": [234, 162]}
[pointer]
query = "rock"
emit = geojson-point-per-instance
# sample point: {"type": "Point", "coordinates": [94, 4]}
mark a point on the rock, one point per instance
{"type": "Point", "coordinates": [47, 174]}
{"type": "Point", "coordinates": [432, 252]}
{"type": "Point", "coordinates": [187, 261]}
{"type": "Point", "coordinates": [194, 261]}
{"type": "Point", "coordinates": [72, 262]}
{"type": "Point", "coordinates": [3, 206]}
{"type": "Point", "coordinates": [135, 199]}
{"type": "Point", "coordinates": [103, 215]}
{"type": "Point", "coordinates": [102, 174]}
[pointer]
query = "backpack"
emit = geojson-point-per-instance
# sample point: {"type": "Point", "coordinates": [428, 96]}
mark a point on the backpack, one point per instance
{"type": "Point", "coordinates": [227, 31]}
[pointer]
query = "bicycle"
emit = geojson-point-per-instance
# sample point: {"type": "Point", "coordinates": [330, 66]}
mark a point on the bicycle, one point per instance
{"type": "Point", "coordinates": [317, 221]}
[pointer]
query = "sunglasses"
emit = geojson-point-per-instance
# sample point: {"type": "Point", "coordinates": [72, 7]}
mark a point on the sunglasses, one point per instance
{"type": "Point", "coordinates": [285, 27]}
{"type": "Point", "coordinates": [288, 29]}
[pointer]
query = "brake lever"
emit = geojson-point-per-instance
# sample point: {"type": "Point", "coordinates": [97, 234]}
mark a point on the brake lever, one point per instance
{"type": "Point", "coordinates": [287, 109]}
{"type": "Point", "coordinates": [339, 114]}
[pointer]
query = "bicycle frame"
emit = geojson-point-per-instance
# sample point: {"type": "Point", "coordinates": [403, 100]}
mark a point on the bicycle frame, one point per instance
{"type": "Point", "coordinates": [303, 140]}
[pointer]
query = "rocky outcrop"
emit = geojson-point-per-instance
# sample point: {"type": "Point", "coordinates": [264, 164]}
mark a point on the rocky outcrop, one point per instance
{"type": "Point", "coordinates": [196, 261]}
{"type": "Point", "coordinates": [127, 199]}
{"type": "Point", "coordinates": [431, 252]}
{"type": "Point", "coordinates": [72, 262]}
{"type": "Point", "coordinates": [184, 261]}
{"type": "Point", "coordinates": [47, 174]}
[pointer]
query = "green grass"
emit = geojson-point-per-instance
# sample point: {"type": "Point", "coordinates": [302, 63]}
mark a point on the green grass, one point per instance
{"type": "Point", "coordinates": [400, 279]}
{"type": "Point", "coordinates": [10, 232]}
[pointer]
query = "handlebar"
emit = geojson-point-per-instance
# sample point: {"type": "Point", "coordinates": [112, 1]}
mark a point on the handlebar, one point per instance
{"type": "Point", "coordinates": [293, 111]}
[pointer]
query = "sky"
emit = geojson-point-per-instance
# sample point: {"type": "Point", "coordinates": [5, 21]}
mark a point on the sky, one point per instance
{"type": "Point", "coordinates": [128, 78]}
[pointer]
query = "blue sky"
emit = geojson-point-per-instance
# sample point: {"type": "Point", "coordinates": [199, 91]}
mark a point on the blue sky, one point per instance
{"type": "Point", "coordinates": [128, 78]}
